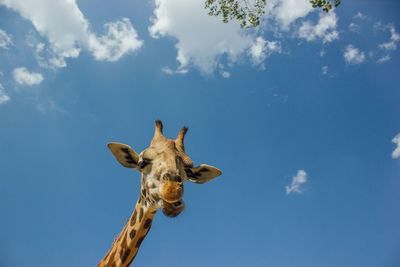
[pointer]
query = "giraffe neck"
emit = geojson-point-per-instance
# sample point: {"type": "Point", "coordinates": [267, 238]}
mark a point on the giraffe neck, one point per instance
{"type": "Point", "coordinates": [126, 245]}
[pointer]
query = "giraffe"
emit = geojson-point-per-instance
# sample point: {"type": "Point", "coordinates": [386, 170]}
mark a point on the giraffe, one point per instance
{"type": "Point", "coordinates": [164, 167]}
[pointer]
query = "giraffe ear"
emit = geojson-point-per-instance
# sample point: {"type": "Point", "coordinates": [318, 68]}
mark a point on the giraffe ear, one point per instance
{"type": "Point", "coordinates": [202, 174]}
{"type": "Point", "coordinates": [124, 154]}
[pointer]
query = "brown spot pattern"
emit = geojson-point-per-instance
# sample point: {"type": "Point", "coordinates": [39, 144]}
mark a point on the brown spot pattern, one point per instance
{"type": "Point", "coordinates": [123, 248]}
{"type": "Point", "coordinates": [147, 223]}
{"type": "Point", "coordinates": [140, 214]}
{"type": "Point", "coordinates": [139, 242]}
{"type": "Point", "coordinates": [144, 192]}
{"type": "Point", "coordinates": [125, 255]}
{"type": "Point", "coordinates": [132, 234]}
{"type": "Point", "coordinates": [148, 229]}
{"type": "Point", "coordinates": [123, 243]}
{"type": "Point", "coordinates": [133, 219]}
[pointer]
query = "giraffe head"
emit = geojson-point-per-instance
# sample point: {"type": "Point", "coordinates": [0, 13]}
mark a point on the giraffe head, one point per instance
{"type": "Point", "coordinates": [165, 167]}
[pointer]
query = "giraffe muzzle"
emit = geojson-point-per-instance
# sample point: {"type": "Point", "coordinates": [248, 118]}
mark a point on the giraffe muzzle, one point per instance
{"type": "Point", "coordinates": [171, 191]}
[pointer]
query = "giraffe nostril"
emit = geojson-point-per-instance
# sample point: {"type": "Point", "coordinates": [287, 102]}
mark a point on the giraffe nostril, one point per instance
{"type": "Point", "coordinates": [178, 203]}
{"type": "Point", "coordinates": [178, 179]}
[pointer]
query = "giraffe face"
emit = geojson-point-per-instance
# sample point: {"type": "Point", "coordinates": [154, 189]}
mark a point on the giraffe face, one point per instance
{"type": "Point", "coordinates": [165, 167]}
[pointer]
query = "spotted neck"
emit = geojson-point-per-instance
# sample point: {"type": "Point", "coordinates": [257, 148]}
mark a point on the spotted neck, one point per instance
{"type": "Point", "coordinates": [127, 244]}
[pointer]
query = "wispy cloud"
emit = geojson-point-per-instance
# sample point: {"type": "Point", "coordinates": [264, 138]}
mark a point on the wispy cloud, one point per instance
{"type": "Point", "coordinates": [388, 47]}
{"type": "Point", "coordinates": [50, 107]}
{"type": "Point", "coordinates": [63, 31]}
{"type": "Point", "coordinates": [324, 70]}
{"type": "Point", "coordinates": [68, 31]}
{"type": "Point", "coordinates": [226, 74]}
{"type": "Point", "coordinates": [261, 49]}
{"type": "Point", "coordinates": [3, 96]}
{"type": "Point", "coordinates": [383, 59]}
{"type": "Point", "coordinates": [391, 45]}
{"type": "Point", "coordinates": [170, 71]}
{"type": "Point", "coordinates": [396, 152]}
{"type": "Point", "coordinates": [325, 29]}
{"type": "Point", "coordinates": [287, 12]}
{"type": "Point", "coordinates": [23, 77]}
{"type": "Point", "coordinates": [353, 55]}
{"type": "Point", "coordinates": [5, 39]}
{"type": "Point", "coordinates": [201, 39]}
{"type": "Point", "coordinates": [121, 38]}
{"type": "Point", "coordinates": [257, 50]}
{"type": "Point", "coordinates": [354, 27]}
{"type": "Point", "coordinates": [360, 15]}
{"type": "Point", "coordinates": [297, 181]}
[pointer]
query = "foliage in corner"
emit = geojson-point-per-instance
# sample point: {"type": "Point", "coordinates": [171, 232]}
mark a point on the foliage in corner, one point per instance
{"type": "Point", "coordinates": [249, 12]}
{"type": "Point", "coordinates": [244, 11]}
{"type": "Point", "coordinates": [324, 4]}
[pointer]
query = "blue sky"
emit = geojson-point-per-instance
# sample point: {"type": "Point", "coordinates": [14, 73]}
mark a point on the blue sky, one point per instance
{"type": "Point", "coordinates": [301, 115]}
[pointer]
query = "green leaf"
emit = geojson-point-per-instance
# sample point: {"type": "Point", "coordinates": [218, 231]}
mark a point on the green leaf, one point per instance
{"type": "Point", "coordinates": [249, 12]}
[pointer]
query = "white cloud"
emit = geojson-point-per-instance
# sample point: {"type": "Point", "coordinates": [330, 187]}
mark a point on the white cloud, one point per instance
{"type": "Point", "coordinates": [396, 152]}
{"type": "Point", "coordinates": [201, 39]}
{"type": "Point", "coordinates": [47, 107]}
{"type": "Point", "coordinates": [262, 48]}
{"type": "Point", "coordinates": [388, 46]}
{"type": "Point", "coordinates": [67, 31]}
{"type": "Point", "coordinates": [394, 35]}
{"type": "Point", "coordinates": [297, 181]}
{"type": "Point", "coordinates": [324, 29]}
{"type": "Point", "coordinates": [394, 38]}
{"type": "Point", "coordinates": [284, 13]}
{"type": "Point", "coordinates": [47, 58]}
{"type": "Point", "coordinates": [3, 96]}
{"type": "Point", "coordinates": [181, 71]}
{"type": "Point", "coordinates": [384, 59]}
{"type": "Point", "coordinates": [5, 39]}
{"type": "Point", "coordinates": [257, 50]}
{"type": "Point", "coordinates": [324, 70]}
{"type": "Point", "coordinates": [354, 27]}
{"type": "Point", "coordinates": [226, 74]}
{"type": "Point", "coordinates": [170, 71]}
{"type": "Point", "coordinates": [288, 11]}
{"type": "Point", "coordinates": [360, 15]}
{"type": "Point", "coordinates": [167, 70]}
{"type": "Point", "coordinates": [60, 21]}
{"type": "Point", "coordinates": [24, 77]}
{"type": "Point", "coordinates": [120, 39]}
{"type": "Point", "coordinates": [44, 55]}
{"type": "Point", "coordinates": [353, 55]}
{"type": "Point", "coordinates": [391, 44]}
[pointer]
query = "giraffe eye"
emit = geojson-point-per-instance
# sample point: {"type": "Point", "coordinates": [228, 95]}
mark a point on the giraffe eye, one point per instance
{"type": "Point", "coordinates": [143, 163]}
